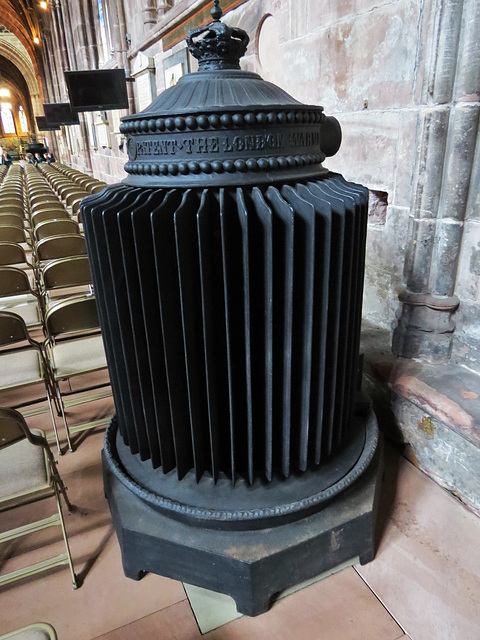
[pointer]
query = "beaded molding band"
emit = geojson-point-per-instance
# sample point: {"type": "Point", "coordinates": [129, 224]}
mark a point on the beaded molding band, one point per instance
{"type": "Point", "coordinates": [217, 166]}
{"type": "Point", "coordinates": [219, 122]}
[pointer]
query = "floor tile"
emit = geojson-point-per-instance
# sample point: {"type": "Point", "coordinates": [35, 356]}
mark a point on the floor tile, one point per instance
{"type": "Point", "coordinates": [427, 569]}
{"type": "Point", "coordinates": [106, 600]}
{"type": "Point", "coordinates": [340, 607]}
{"type": "Point", "coordinates": [212, 610]}
{"type": "Point", "coordinates": [175, 622]}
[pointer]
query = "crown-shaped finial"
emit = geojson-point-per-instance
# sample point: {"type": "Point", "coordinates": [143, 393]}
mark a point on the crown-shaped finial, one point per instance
{"type": "Point", "coordinates": [217, 46]}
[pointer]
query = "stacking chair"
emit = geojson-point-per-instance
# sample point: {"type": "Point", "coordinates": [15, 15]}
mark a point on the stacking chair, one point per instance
{"type": "Point", "coordinates": [28, 473]}
{"type": "Point", "coordinates": [66, 277]}
{"type": "Point", "coordinates": [11, 220]}
{"type": "Point", "coordinates": [36, 631]}
{"type": "Point", "coordinates": [49, 214]}
{"type": "Point", "coordinates": [74, 348]}
{"type": "Point", "coordinates": [17, 296]}
{"type": "Point", "coordinates": [23, 363]}
{"type": "Point", "coordinates": [60, 247]}
{"type": "Point", "coordinates": [56, 227]}
{"type": "Point", "coordinates": [13, 254]}
{"type": "Point", "coordinates": [13, 234]}
{"type": "Point", "coordinates": [74, 196]}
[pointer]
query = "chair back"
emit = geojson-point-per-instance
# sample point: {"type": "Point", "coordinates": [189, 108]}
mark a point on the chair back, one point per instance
{"type": "Point", "coordinates": [61, 247]}
{"type": "Point", "coordinates": [56, 227]}
{"type": "Point", "coordinates": [12, 189]}
{"type": "Point", "coordinates": [12, 329]}
{"type": "Point", "coordinates": [67, 272]}
{"type": "Point", "coordinates": [65, 187]}
{"type": "Point", "coordinates": [74, 315]}
{"type": "Point", "coordinates": [46, 196]}
{"type": "Point", "coordinates": [12, 253]}
{"type": "Point", "coordinates": [48, 205]}
{"type": "Point", "coordinates": [12, 200]}
{"type": "Point", "coordinates": [11, 220]}
{"type": "Point", "coordinates": [17, 210]}
{"type": "Point", "coordinates": [12, 427]}
{"type": "Point", "coordinates": [13, 282]}
{"type": "Point", "coordinates": [41, 192]}
{"type": "Point", "coordinates": [47, 201]}
{"type": "Point", "coordinates": [11, 234]}
{"type": "Point", "coordinates": [49, 214]}
{"type": "Point", "coordinates": [76, 204]}
{"type": "Point", "coordinates": [73, 196]}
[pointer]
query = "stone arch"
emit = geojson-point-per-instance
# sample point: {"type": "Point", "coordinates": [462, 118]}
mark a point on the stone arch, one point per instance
{"type": "Point", "coordinates": [12, 49]}
{"type": "Point", "coordinates": [14, 23]}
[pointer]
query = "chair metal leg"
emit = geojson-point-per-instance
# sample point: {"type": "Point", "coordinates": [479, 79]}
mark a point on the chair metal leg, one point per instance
{"type": "Point", "coordinates": [49, 399]}
{"type": "Point", "coordinates": [61, 486]}
{"type": "Point", "coordinates": [65, 539]}
{"type": "Point", "coordinates": [67, 432]}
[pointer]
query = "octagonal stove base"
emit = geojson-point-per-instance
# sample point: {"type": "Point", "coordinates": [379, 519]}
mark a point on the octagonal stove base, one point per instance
{"type": "Point", "coordinates": [251, 566]}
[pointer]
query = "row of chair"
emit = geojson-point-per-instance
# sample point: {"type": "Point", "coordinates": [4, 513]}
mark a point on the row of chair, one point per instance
{"type": "Point", "coordinates": [40, 217]}
{"type": "Point", "coordinates": [46, 285]}
{"type": "Point", "coordinates": [84, 181]}
{"type": "Point", "coordinates": [49, 293]}
{"type": "Point", "coordinates": [71, 190]}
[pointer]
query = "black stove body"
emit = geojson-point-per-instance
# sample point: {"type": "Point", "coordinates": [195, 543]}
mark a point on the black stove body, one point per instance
{"type": "Point", "coordinates": [228, 270]}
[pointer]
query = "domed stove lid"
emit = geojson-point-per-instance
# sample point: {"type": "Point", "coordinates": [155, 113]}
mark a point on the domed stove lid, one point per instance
{"type": "Point", "coordinates": [223, 126]}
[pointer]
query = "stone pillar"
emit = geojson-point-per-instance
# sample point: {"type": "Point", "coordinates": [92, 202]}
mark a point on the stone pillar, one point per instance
{"type": "Point", "coordinates": [49, 85]}
{"type": "Point", "coordinates": [446, 134]}
{"type": "Point", "coordinates": [78, 41]}
{"type": "Point", "coordinates": [72, 50]}
{"type": "Point", "coordinates": [119, 40]}
{"type": "Point", "coordinates": [87, 18]}
{"type": "Point", "coordinates": [60, 32]}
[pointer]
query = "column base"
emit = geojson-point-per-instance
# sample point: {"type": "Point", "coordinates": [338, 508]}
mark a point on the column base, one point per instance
{"type": "Point", "coordinates": [425, 327]}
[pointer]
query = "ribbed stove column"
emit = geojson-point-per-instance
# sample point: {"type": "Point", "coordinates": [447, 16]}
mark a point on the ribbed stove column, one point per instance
{"type": "Point", "coordinates": [228, 270]}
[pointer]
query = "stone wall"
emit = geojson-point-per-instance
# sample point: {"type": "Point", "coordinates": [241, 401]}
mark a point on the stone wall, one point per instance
{"type": "Point", "coordinates": [386, 70]}
{"type": "Point", "coordinates": [360, 61]}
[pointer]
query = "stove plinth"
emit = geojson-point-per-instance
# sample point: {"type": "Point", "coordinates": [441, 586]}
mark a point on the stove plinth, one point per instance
{"type": "Point", "coordinates": [251, 565]}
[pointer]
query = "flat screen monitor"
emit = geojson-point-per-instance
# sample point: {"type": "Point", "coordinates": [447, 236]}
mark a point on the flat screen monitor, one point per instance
{"type": "Point", "coordinates": [43, 126]}
{"type": "Point", "coordinates": [60, 113]}
{"type": "Point", "coordinates": [97, 90]}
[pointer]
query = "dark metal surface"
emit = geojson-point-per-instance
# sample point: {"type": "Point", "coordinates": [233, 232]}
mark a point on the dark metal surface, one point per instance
{"type": "Point", "coordinates": [250, 566]}
{"type": "Point", "coordinates": [231, 321]}
{"type": "Point", "coordinates": [259, 505]}
{"type": "Point", "coordinates": [217, 46]}
{"type": "Point", "coordinates": [228, 271]}
{"type": "Point", "coordinates": [224, 126]}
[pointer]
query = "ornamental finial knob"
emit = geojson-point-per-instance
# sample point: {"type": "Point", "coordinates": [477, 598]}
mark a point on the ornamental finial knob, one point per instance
{"type": "Point", "coordinates": [216, 10]}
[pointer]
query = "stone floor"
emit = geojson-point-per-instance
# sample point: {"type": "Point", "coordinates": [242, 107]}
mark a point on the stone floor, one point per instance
{"type": "Point", "coordinates": [424, 583]}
